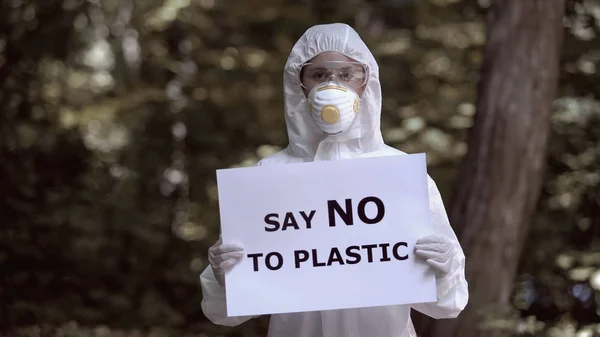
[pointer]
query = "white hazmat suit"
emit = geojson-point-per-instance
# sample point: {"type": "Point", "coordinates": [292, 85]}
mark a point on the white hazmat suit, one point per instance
{"type": "Point", "coordinates": [362, 139]}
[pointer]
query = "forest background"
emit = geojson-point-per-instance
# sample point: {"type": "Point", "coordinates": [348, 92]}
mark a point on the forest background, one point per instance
{"type": "Point", "coordinates": [116, 114]}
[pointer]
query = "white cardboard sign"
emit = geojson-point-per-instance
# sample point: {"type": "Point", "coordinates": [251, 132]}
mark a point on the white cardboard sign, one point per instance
{"type": "Point", "coordinates": [326, 235]}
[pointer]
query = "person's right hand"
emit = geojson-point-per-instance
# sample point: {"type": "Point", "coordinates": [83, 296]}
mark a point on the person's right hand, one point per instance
{"type": "Point", "coordinates": [222, 258]}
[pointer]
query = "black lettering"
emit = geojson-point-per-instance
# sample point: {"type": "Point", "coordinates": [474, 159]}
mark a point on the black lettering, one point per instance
{"type": "Point", "coordinates": [395, 251]}
{"type": "Point", "coordinates": [316, 263]}
{"type": "Point", "coordinates": [346, 216]}
{"type": "Point", "coordinates": [279, 261]}
{"type": "Point", "coordinates": [369, 251]}
{"type": "Point", "coordinates": [307, 218]}
{"type": "Point", "coordinates": [268, 220]}
{"type": "Point", "coordinates": [254, 258]}
{"type": "Point", "coordinates": [335, 256]}
{"type": "Point", "coordinates": [350, 251]}
{"type": "Point", "coordinates": [380, 210]}
{"type": "Point", "coordinates": [298, 258]}
{"type": "Point", "coordinates": [289, 221]}
{"type": "Point", "coordinates": [384, 252]}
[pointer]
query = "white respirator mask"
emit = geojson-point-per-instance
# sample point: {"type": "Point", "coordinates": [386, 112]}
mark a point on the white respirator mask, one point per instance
{"type": "Point", "coordinates": [333, 106]}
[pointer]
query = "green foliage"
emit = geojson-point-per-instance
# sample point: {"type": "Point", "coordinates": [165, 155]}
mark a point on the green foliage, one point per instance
{"type": "Point", "coordinates": [116, 115]}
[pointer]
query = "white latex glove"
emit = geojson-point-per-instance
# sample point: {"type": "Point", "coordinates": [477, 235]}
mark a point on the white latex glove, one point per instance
{"type": "Point", "coordinates": [222, 258]}
{"type": "Point", "coordinates": [438, 251]}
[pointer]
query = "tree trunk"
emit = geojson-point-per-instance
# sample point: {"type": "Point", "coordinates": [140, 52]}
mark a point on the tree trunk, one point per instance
{"type": "Point", "coordinates": [501, 177]}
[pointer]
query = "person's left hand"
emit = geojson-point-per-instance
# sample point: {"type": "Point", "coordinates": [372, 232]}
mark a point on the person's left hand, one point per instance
{"type": "Point", "coordinates": [438, 251]}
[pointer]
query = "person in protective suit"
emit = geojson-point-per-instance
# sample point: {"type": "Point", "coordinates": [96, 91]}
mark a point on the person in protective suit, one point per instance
{"type": "Point", "coordinates": [332, 110]}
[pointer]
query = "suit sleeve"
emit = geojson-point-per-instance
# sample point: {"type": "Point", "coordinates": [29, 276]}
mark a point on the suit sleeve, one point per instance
{"type": "Point", "coordinates": [452, 289]}
{"type": "Point", "coordinates": [214, 305]}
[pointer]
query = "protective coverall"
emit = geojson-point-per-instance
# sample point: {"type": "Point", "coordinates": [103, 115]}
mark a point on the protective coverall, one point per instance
{"type": "Point", "coordinates": [363, 139]}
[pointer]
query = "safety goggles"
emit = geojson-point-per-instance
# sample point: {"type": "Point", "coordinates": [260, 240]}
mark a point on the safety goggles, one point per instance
{"type": "Point", "coordinates": [353, 74]}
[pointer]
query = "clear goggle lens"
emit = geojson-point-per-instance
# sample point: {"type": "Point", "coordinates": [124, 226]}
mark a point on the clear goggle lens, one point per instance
{"type": "Point", "coordinates": [353, 74]}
